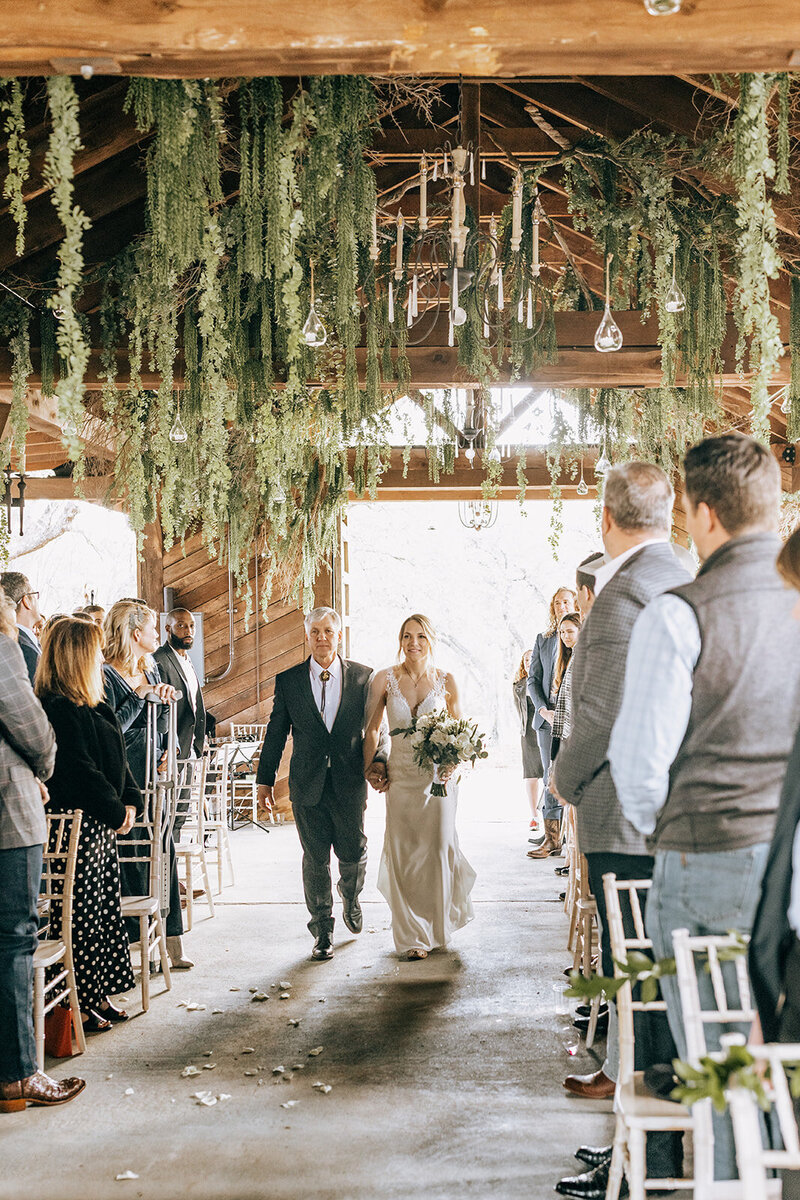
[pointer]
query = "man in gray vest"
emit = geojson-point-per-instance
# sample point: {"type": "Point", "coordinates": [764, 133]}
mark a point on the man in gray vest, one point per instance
{"type": "Point", "coordinates": [636, 522]}
{"type": "Point", "coordinates": [700, 747]}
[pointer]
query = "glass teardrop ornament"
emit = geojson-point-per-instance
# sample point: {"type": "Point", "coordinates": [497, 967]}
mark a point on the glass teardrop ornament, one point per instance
{"type": "Point", "coordinates": [603, 463]}
{"type": "Point", "coordinates": [583, 488]}
{"type": "Point", "coordinates": [609, 334]}
{"type": "Point", "coordinates": [178, 433]}
{"type": "Point", "coordinates": [675, 301]}
{"type": "Point", "coordinates": [278, 494]}
{"type": "Point", "coordinates": [314, 332]}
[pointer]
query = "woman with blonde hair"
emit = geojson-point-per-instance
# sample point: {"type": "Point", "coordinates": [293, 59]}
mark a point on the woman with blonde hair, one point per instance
{"type": "Point", "coordinates": [131, 631]}
{"type": "Point", "coordinates": [91, 774]}
{"type": "Point", "coordinates": [423, 874]}
{"type": "Point", "coordinates": [540, 690]}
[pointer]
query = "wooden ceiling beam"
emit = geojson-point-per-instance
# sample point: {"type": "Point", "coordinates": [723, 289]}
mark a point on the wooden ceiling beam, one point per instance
{"type": "Point", "coordinates": [105, 129]}
{"type": "Point", "coordinates": [224, 38]}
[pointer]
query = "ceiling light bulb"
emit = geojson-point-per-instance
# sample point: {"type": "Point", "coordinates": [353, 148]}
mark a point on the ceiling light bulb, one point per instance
{"type": "Point", "coordinates": [662, 8]}
{"type": "Point", "coordinates": [675, 301]}
{"type": "Point", "coordinates": [314, 332]}
{"type": "Point", "coordinates": [609, 334]}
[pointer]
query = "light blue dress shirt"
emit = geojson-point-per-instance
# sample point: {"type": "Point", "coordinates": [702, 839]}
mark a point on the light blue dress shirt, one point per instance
{"type": "Point", "coordinates": [656, 703]}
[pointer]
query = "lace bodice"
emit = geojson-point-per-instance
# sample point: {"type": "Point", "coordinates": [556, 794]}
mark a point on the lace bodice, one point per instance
{"type": "Point", "coordinates": [400, 716]}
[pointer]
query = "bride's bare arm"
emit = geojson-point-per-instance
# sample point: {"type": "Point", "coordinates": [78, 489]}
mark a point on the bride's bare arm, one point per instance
{"type": "Point", "coordinates": [453, 700]}
{"type": "Point", "coordinates": [376, 707]}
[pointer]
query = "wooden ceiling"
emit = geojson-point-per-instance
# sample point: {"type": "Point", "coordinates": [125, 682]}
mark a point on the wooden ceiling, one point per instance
{"type": "Point", "coordinates": [512, 121]}
{"type": "Point", "coordinates": [197, 38]}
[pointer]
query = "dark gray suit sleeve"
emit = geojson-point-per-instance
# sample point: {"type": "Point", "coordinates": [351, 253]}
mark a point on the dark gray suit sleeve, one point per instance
{"type": "Point", "coordinates": [536, 688]}
{"type": "Point", "coordinates": [278, 729]}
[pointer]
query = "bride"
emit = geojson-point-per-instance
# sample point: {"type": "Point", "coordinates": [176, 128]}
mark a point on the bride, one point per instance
{"type": "Point", "coordinates": [423, 875]}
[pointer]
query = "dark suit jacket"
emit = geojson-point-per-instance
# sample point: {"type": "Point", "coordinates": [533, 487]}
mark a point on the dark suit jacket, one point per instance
{"type": "Point", "coordinates": [31, 650]}
{"type": "Point", "coordinates": [191, 720]}
{"type": "Point", "coordinates": [315, 751]}
{"type": "Point", "coordinates": [91, 771]}
{"type": "Point", "coordinates": [540, 674]}
{"type": "Point", "coordinates": [772, 935]}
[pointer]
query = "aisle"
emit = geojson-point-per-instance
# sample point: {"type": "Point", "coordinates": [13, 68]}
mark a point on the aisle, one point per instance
{"type": "Point", "coordinates": [445, 1074]}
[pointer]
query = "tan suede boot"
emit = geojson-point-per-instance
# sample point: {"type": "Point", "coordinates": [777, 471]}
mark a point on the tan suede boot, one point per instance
{"type": "Point", "coordinates": [551, 843]}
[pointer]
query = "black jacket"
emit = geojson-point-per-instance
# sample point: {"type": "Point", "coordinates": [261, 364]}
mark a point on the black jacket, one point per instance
{"type": "Point", "coordinates": [315, 750]}
{"type": "Point", "coordinates": [131, 711]}
{"type": "Point", "coordinates": [191, 720]}
{"type": "Point", "coordinates": [772, 935]}
{"type": "Point", "coordinates": [31, 650]}
{"type": "Point", "coordinates": [91, 771]}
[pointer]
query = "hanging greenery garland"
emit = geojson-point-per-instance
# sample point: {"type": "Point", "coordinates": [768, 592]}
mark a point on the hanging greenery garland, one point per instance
{"type": "Point", "coordinates": [19, 156]}
{"type": "Point", "coordinates": [254, 185]}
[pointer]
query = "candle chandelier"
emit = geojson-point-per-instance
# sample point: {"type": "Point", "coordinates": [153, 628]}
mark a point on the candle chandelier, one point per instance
{"type": "Point", "coordinates": [477, 514]}
{"type": "Point", "coordinates": [444, 267]}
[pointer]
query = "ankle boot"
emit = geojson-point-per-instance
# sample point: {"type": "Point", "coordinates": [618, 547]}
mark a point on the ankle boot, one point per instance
{"type": "Point", "coordinates": [175, 952]}
{"type": "Point", "coordinates": [552, 838]}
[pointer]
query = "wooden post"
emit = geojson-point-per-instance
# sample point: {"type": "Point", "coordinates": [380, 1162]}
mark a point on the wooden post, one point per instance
{"type": "Point", "coordinates": [151, 566]}
{"type": "Point", "coordinates": [471, 132]}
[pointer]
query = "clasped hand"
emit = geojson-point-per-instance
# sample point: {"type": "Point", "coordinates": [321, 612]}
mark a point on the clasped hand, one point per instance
{"type": "Point", "coordinates": [377, 777]}
{"type": "Point", "coordinates": [165, 693]}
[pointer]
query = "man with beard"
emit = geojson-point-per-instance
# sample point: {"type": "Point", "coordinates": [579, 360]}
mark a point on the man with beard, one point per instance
{"type": "Point", "coordinates": [177, 670]}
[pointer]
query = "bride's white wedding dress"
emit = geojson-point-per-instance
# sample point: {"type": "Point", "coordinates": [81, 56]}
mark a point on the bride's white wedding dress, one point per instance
{"type": "Point", "coordinates": [423, 874]}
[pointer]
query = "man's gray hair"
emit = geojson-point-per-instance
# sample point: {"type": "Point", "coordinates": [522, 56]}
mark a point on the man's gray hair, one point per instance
{"type": "Point", "coordinates": [15, 585]}
{"type": "Point", "coordinates": [319, 614]}
{"type": "Point", "coordinates": [638, 495]}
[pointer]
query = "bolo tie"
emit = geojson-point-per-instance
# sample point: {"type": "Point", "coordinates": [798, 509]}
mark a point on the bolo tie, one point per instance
{"type": "Point", "coordinates": [324, 676]}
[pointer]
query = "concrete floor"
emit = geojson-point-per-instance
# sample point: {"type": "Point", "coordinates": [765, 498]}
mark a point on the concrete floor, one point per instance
{"type": "Point", "coordinates": [445, 1074]}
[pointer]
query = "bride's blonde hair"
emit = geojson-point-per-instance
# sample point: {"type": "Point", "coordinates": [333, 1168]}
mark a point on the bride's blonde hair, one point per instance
{"type": "Point", "coordinates": [427, 629]}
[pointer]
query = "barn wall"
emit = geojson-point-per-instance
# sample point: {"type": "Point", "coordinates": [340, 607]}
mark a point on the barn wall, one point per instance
{"type": "Point", "coordinates": [262, 649]}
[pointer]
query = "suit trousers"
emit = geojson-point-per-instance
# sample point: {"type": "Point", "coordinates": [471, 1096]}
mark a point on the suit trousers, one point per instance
{"type": "Point", "coordinates": [330, 825]}
{"type": "Point", "coordinates": [20, 877]}
{"type": "Point", "coordinates": [653, 1039]}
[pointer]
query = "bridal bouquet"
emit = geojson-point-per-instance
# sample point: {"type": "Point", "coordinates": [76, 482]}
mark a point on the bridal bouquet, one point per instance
{"type": "Point", "coordinates": [439, 740]}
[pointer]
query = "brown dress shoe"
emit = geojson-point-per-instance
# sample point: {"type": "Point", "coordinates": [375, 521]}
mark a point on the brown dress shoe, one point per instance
{"type": "Point", "coordinates": [38, 1089]}
{"type": "Point", "coordinates": [591, 1087]}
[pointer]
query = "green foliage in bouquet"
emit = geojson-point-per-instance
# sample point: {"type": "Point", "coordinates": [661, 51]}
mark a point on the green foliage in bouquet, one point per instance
{"type": "Point", "coordinates": [439, 740]}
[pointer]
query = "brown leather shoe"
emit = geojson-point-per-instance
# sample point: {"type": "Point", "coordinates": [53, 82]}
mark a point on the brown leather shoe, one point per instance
{"type": "Point", "coordinates": [38, 1089]}
{"type": "Point", "coordinates": [591, 1087]}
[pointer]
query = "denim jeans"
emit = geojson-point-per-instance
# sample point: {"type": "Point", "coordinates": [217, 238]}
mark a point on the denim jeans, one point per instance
{"type": "Point", "coordinates": [714, 893]}
{"type": "Point", "coordinates": [20, 878]}
{"type": "Point", "coordinates": [551, 809]}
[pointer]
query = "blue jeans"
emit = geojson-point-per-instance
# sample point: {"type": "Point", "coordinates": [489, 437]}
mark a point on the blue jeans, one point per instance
{"type": "Point", "coordinates": [20, 878]}
{"type": "Point", "coordinates": [707, 894]}
{"type": "Point", "coordinates": [551, 809]}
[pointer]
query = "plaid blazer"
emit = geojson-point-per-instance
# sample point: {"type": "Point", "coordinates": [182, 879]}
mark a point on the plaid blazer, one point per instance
{"type": "Point", "coordinates": [581, 771]}
{"type": "Point", "coordinates": [27, 752]}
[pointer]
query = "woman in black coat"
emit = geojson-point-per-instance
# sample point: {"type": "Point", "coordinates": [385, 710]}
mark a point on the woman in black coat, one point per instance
{"type": "Point", "coordinates": [91, 773]}
{"type": "Point", "coordinates": [130, 676]}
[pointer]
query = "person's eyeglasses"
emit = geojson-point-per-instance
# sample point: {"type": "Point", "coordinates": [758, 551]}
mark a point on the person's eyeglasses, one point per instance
{"type": "Point", "coordinates": [22, 597]}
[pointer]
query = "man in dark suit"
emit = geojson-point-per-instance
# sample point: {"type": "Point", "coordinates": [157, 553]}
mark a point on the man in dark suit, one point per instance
{"type": "Point", "coordinates": [177, 670]}
{"type": "Point", "coordinates": [322, 703]}
{"type": "Point", "coordinates": [18, 589]}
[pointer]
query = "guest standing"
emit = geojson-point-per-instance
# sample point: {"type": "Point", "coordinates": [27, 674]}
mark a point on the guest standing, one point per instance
{"type": "Point", "coordinates": [27, 754]}
{"type": "Point", "coordinates": [704, 733]}
{"type": "Point", "coordinates": [28, 616]}
{"type": "Point", "coordinates": [540, 683]}
{"type": "Point", "coordinates": [636, 521]}
{"type": "Point", "coordinates": [130, 676]}
{"type": "Point", "coordinates": [569, 629]}
{"type": "Point", "coordinates": [176, 668]}
{"type": "Point", "coordinates": [91, 774]}
{"type": "Point", "coordinates": [532, 769]}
